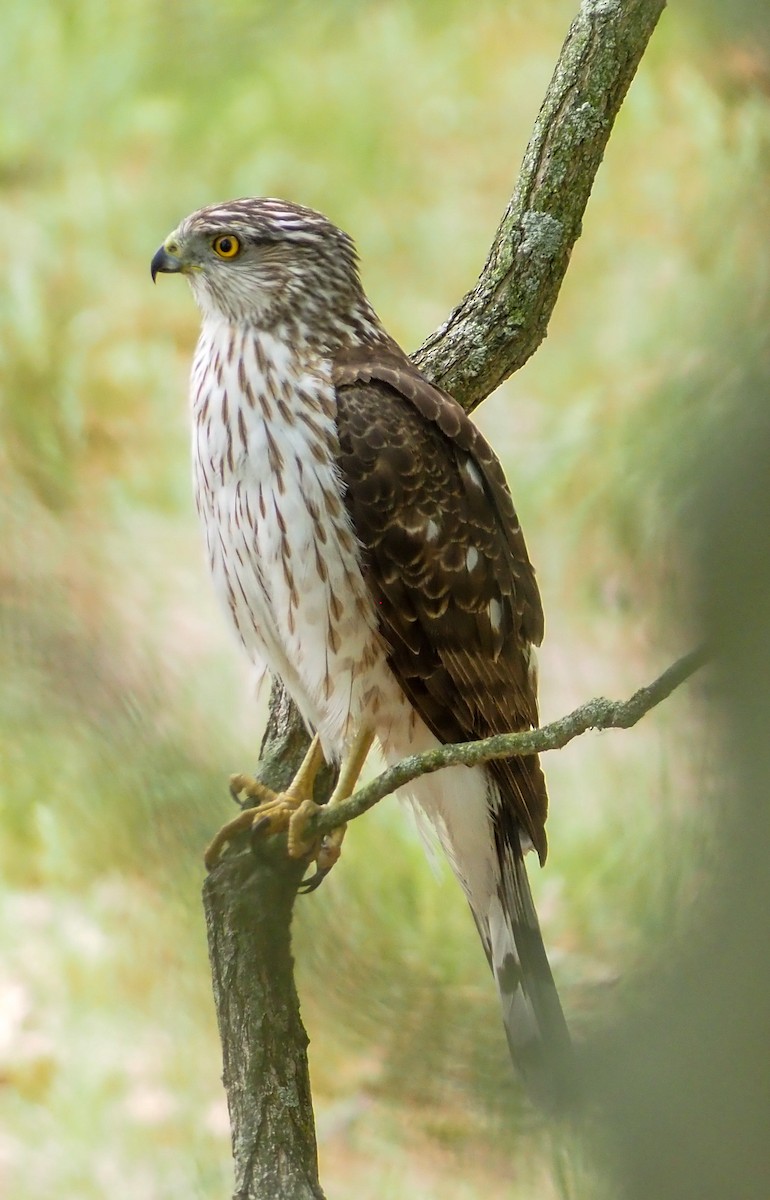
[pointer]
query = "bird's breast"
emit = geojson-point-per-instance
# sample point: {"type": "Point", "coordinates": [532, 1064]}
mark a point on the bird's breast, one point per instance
{"type": "Point", "coordinates": [281, 547]}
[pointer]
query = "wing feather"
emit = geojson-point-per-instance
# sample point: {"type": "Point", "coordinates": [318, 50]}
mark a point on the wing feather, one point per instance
{"type": "Point", "coordinates": [446, 564]}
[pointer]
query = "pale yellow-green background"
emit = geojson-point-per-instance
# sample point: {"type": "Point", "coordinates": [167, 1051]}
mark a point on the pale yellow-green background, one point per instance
{"type": "Point", "coordinates": [123, 702]}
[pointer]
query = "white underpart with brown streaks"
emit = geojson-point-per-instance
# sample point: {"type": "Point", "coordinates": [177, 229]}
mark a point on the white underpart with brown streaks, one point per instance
{"type": "Point", "coordinates": [286, 566]}
{"type": "Point", "coordinates": [281, 550]}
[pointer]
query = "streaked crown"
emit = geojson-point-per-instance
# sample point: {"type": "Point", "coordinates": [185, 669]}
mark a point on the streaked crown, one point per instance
{"type": "Point", "coordinates": [268, 262]}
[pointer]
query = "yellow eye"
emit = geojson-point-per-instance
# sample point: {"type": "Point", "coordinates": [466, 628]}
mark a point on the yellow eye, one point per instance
{"type": "Point", "coordinates": [226, 246]}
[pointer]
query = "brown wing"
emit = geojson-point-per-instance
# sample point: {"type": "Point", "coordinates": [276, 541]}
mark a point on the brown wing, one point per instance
{"type": "Point", "coordinates": [446, 564]}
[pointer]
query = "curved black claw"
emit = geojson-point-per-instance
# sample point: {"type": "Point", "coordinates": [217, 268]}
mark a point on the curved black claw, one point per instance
{"type": "Point", "coordinates": [316, 879]}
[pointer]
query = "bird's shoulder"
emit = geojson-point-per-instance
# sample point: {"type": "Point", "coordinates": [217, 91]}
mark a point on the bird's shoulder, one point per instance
{"type": "Point", "coordinates": [413, 459]}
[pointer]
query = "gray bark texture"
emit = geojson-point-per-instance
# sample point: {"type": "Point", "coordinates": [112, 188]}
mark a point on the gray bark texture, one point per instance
{"type": "Point", "coordinates": [263, 1041]}
{"type": "Point", "coordinates": [248, 897]}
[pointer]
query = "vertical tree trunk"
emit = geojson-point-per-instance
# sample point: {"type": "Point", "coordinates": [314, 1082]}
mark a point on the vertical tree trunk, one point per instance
{"type": "Point", "coordinates": [249, 901]}
{"type": "Point", "coordinates": [248, 898]}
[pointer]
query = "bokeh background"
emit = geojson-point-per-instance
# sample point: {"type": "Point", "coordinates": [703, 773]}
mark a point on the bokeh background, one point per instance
{"type": "Point", "coordinates": [124, 704]}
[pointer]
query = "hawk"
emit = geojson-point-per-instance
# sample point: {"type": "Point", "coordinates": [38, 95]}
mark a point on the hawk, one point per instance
{"type": "Point", "coordinates": [363, 540]}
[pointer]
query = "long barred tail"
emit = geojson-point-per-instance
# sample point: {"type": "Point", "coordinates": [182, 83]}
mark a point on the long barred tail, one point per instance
{"type": "Point", "coordinates": [480, 835]}
{"type": "Point", "coordinates": [537, 1033]}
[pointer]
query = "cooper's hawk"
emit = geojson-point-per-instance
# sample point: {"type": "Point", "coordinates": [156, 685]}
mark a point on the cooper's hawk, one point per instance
{"type": "Point", "coordinates": [361, 535]}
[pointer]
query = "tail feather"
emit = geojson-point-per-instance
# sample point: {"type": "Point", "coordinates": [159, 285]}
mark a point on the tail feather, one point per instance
{"type": "Point", "coordinates": [481, 834]}
{"type": "Point", "coordinates": [535, 1026]}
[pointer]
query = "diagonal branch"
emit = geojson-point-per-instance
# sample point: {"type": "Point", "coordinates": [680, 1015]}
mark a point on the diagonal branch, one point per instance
{"type": "Point", "coordinates": [594, 714]}
{"type": "Point", "coordinates": [502, 320]}
{"type": "Point", "coordinates": [500, 323]}
{"type": "Point", "coordinates": [491, 333]}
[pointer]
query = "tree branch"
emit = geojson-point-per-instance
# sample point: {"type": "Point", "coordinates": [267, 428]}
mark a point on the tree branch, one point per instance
{"type": "Point", "coordinates": [500, 323]}
{"type": "Point", "coordinates": [494, 330]}
{"type": "Point", "coordinates": [248, 904]}
{"type": "Point", "coordinates": [599, 713]}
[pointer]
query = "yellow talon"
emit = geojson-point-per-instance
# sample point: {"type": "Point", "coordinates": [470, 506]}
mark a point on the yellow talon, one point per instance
{"type": "Point", "coordinates": [292, 810]}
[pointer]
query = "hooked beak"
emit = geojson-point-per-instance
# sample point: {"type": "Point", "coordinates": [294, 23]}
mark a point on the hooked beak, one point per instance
{"type": "Point", "coordinates": [165, 263]}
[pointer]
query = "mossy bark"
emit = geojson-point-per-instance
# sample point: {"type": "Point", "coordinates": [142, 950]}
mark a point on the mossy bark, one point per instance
{"type": "Point", "coordinates": [496, 327]}
{"type": "Point", "coordinates": [500, 323]}
{"type": "Point", "coordinates": [249, 901]}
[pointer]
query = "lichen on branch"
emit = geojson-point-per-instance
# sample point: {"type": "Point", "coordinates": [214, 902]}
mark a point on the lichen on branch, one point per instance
{"type": "Point", "coordinates": [492, 332]}
{"type": "Point", "coordinates": [599, 713]}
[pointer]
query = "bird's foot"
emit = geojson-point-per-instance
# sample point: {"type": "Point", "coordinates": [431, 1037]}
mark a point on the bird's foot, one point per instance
{"type": "Point", "coordinates": [326, 855]}
{"type": "Point", "coordinates": [275, 812]}
{"type": "Point", "coordinates": [272, 812]}
{"type": "Point", "coordinates": [293, 810]}
{"type": "Point", "coordinates": [330, 848]}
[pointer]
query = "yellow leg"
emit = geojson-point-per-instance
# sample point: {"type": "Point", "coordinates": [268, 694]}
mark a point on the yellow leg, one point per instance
{"type": "Point", "coordinates": [352, 765]}
{"type": "Point", "coordinates": [274, 810]}
{"type": "Point", "coordinates": [330, 848]}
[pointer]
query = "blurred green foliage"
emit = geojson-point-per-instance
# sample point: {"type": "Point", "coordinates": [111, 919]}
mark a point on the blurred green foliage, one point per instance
{"type": "Point", "coordinates": [682, 1078]}
{"type": "Point", "coordinates": [124, 705]}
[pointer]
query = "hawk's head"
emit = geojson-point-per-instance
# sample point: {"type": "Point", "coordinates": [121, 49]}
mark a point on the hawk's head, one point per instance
{"type": "Point", "coordinates": [267, 262]}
